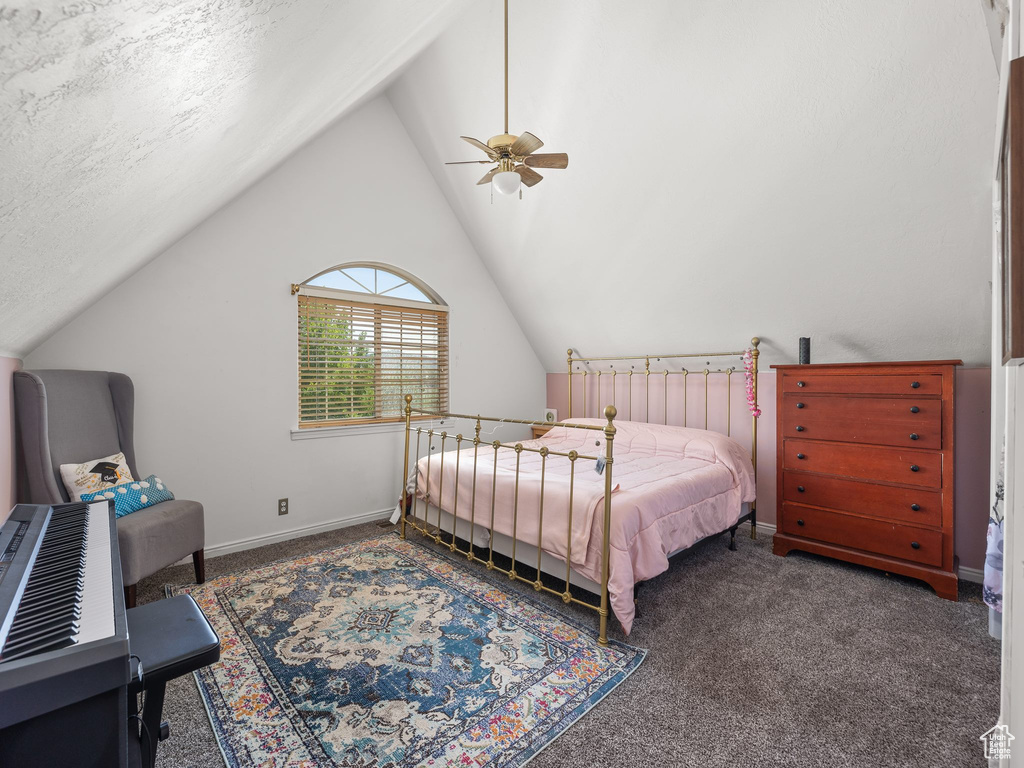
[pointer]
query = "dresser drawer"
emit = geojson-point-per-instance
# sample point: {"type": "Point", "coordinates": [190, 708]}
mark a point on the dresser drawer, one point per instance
{"type": "Point", "coordinates": [865, 462]}
{"type": "Point", "coordinates": [909, 505]}
{"type": "Point", "coordinates": [863, 384]}
{"type": "Point", "coordinates": [907, 423]}
{"type": "Point", "coordinates": [876, 536]}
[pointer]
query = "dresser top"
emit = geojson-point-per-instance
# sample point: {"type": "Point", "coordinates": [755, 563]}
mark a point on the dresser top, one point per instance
{"type": "Point", "coordinates": [890, 364]}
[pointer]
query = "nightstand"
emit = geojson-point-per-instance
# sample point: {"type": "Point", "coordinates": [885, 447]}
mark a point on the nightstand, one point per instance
{"type": "Point", "coordinates": [540, 431]}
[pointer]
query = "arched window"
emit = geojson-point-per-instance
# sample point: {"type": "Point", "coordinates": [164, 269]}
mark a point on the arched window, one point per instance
{"type": "Point", "coordinates": [369, 334]}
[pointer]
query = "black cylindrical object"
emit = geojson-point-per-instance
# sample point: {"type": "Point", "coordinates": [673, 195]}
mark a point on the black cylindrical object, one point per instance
{"type": "Point", "coordinates": [805, 350]}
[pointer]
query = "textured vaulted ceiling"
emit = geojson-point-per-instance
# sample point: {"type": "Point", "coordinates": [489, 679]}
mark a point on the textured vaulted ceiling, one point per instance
{"type": "Point", "coordinates": [785, 168]}
{"type": "Point", "coordinates": [124, 123]}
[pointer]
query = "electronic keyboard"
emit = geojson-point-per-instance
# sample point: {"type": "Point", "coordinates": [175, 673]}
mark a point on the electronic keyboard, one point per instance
{"type": "Point", "coordinates": [67, 597]}
{"type": "Point", "coordinates": [64, 653]}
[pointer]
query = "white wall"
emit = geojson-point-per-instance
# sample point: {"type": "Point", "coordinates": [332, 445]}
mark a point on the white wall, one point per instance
{"type": "Point", "coordinates": [208, 333]}
{"type": "Point", "coordinates": [746, 168]}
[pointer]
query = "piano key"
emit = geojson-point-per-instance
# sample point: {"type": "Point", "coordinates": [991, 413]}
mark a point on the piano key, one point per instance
{"type": "Point", "coordinates": [49, 563]}
{"type": "Point", "coordinates": [40, 601]}
{"type": "Point", "coordinates": [54, 644]}
{"type": "Point", "coordinates": [62, 608]}
{"type": "Point", "coordinates": [42, 637]}
{"type": "Point", "coordinates": [58, 584]}
{"type": "Point", "coordinates": [73, 544]}
{"type": "Point", "coordinates": [60, 557]}
{"type": "Point", "coordinates": [76, 563]}
{"type": "Point", "coordinates": [67, 624]}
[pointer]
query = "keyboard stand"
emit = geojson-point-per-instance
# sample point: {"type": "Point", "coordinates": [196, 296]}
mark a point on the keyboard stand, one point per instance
{"type": "Point", "coordinates": [171, 638]}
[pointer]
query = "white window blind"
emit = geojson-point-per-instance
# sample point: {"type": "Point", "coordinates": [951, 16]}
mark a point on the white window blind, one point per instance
{"type": "Point", "coordinates": [357, 360]}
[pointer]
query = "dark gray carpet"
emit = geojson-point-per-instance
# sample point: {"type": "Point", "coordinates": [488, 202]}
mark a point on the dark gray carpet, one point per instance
{"type": "Point", "coordinates": [755, 660]}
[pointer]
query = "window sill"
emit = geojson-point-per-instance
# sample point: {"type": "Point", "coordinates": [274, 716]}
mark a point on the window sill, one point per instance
{"type": "Point", "coordinates": [315, 433]}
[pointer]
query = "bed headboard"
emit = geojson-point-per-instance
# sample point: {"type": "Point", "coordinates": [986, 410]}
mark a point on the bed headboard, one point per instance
{"type": "Point", "coordinates": [595, 382]}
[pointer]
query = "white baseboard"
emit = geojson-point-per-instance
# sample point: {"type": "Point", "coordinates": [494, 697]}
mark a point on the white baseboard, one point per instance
{"type": "Point", "coordinates": [293, 533]}
{"type": "Point", "coordinates": [974, 575]}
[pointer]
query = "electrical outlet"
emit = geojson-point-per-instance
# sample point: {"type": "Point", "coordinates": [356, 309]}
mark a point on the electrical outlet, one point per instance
{"type": "Point", "coordinates": [282, 506]}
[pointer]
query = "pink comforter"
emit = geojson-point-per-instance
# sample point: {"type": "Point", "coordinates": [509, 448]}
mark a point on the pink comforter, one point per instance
{"type": "Point", "coordinates": [673, 487]}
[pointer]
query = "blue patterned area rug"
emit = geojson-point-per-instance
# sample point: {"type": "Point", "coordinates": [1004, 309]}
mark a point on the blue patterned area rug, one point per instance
{"type": "Point", "coordinates": [386, 653]}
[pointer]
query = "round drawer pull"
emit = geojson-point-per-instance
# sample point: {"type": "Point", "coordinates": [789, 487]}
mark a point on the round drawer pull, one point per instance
{"type": "Point", "coordinates": [914, 409]}
{"type": "Point", "coordinates": [801, 456]}
{"type": "Point", "coordinates": [800, 384]}
{"type": "Point", "coordinates": [915, 384]}
{"type": "Point", "coordinates": [799, 522]}
{"type": "Point", "coordinates": [799, 428]}
{"type": "Point", "coordinates": [916, 507]}
{"type": "Point", "coordinates": [799, 405]}
{"type": "Point", "coordinates": [915, 545]}
{"type": "Point", "coordinates": [914, 436]}
{"type": "Point", "coordinates": [800, 488]}
{"type": "Point", "coordinates": [914, 468]}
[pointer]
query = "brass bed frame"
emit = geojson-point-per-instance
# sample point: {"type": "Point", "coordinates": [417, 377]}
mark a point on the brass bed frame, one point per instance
{"type": "Point", "coordinates": [410, 502]}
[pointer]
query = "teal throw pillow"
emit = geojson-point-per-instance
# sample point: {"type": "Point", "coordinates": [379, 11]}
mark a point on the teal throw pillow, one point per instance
{"type": "Point", "coordinates": [133, 495]}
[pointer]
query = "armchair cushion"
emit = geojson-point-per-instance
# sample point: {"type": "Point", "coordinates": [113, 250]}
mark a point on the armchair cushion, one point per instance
{"type": "Point", "coordinates": [157, 536]}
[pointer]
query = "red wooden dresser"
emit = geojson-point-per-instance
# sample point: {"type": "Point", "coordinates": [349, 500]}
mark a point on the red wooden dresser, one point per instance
{"type": "Point", "coordinates": [865, 466]}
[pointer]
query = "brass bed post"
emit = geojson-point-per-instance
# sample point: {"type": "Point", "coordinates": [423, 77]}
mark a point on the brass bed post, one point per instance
{"type": "Point", "coordinates": [540, 516]}
{"type": "Point", "coordinates": [629, 389]}
{"type": "Point", "coordinates": [707, 373]}
{"type": "Point", "coordinates": [754, 342]}
{"type": "Point", "coordinates": [415, 499]}
{"type": "Point", "coordinates": [494, 493]}
{"type": "Point", "coordinates": [472, 509]}
{"type": "Point", "coordinates": [455, 504]}
{"type": "Point", "coordinates": [566, 596]}
{"type": "Point", "coordinates": [405, 470]}
{"type": "Point", "coordinates": [728, 402]}
{"type": "Point", "coordinates": [647, 383]}
{"type": "Point", "coordinates": [515, 512]}
{"type": "Point", "coordinates": [609, 437]}
{"type": "Point", "coordinates": [440, 489]}
{"type": "Point", "coordinates": [426, 491]}
{"type": "Point", "coordinates": [568, 353]}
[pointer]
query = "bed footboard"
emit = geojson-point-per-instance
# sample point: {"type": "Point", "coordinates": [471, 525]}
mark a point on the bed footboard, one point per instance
{"type": "Point", "coordinates": [488, 453]}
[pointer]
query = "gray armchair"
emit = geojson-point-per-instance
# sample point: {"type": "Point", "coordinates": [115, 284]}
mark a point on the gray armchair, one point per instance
{"type": "Point", "coordinates": [65, 417]}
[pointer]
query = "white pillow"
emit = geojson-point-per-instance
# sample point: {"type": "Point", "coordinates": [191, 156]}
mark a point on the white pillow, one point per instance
{"type": "Point", "coordinates": [95, 475]}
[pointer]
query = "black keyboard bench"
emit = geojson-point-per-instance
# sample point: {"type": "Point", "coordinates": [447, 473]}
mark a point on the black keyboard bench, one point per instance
{"type": "Point", "coordinates": [169, 638]}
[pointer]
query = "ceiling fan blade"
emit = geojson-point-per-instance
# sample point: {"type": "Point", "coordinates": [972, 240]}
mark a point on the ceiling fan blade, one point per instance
{"type": "Point", "coordinates": [470, 162]}
{"type": "Point", "coordinates": [554, 160]}
{"type": "Point", "coordinates": [528, 175]}
{"type": "Point", "coordinates": [480, 145]}
{"type": "Point", "coordinates": [525, 145]}
{"type": "Point", "coordinates": [487, 177]}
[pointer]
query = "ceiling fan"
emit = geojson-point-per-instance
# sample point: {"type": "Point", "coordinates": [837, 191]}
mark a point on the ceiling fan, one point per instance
{"type": "Point", "coordinates": [514, 155]}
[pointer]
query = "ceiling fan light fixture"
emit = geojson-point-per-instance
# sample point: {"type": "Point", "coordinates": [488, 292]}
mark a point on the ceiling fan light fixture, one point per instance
{"type": "Point", "coordinates": [506, 182]}
{"type": "Point", "coordinates": [514, 155]}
